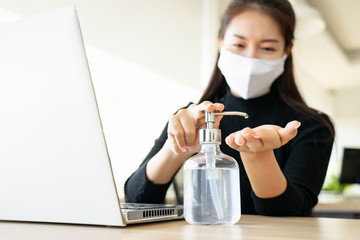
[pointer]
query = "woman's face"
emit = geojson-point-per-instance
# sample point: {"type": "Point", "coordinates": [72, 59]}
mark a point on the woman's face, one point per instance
{"type": "Point", "coordinates": [254, 34]}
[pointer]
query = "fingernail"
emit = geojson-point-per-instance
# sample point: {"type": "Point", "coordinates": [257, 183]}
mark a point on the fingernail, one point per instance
{"type": "Point", "coordinates": [191, 148]}
{"type": "Point", "coordinates": [183, 149]}
{"type": "Point", "coordinates": [298, 125]}
{"type": "Point", "coordinates": [245, 133]}
{"type": "Point", "coordinates": [239, 142]}
{"type": "Point", "coordinates": [256, 136]}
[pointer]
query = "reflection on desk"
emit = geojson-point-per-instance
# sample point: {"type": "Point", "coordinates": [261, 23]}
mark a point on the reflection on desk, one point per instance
{"type": "Point", "coordinates": [249, 227]}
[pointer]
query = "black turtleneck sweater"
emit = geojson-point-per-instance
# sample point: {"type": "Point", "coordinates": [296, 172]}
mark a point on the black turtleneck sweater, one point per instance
{"type": "Point", "coordinates": [303, 160]}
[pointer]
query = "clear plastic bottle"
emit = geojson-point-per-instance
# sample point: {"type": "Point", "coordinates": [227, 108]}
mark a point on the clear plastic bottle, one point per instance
{"type": "Point", "coordinates": [212, 181]}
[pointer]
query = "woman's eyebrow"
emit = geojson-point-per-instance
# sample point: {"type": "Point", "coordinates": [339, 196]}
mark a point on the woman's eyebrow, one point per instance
{"type": "Point", "coordinates": [239, 36]}
{"type": "Point", "coordinates": [272, 40]}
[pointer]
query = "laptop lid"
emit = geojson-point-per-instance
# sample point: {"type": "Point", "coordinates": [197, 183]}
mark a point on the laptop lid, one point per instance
{"type": "Point", "coordinates": [54, 164]}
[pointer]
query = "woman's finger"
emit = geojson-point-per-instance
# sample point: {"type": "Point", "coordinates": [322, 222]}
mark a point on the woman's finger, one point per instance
{"type": "Point", "coordinates": [253, 142]}
{"type": "Point", "coordinates": [236, 141]}
{"type": "Point", "coordinates": [197, 111]}
{"type": "Point", "coordinates": [173, 145]}
{"type": "Point", "coordinates": [219, 107]}
{"type": "Point", "coordinates": [207, 106]}
{"type": "Point", "coordinates": [230, 141]}
{"type": "Point", "coordinates": [189, 127]}
{"type": "Point", "coordinates": [176, 131]}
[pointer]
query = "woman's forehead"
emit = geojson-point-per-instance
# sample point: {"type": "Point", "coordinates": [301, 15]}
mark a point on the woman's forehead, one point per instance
{"type": "Point", "coordinates": [254, 23]}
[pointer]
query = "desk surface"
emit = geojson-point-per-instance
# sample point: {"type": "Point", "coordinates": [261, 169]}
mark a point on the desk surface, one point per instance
{"type": "Point", "coordinates": [346, 206]}
{"type": "Point", "coordinates": [337, 206]}
{"type": "Point", "coordinates": [249, 227]}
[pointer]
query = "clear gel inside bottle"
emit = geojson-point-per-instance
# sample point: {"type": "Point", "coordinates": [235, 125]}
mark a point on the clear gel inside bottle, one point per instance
{"type": "Point", "coordinates": [211, 180]}
{"type": "Point", "coordinates": [211, 187]}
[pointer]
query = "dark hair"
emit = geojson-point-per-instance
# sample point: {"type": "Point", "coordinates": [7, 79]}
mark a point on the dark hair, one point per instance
{"type": "Point", "coordinates": [282, 12]}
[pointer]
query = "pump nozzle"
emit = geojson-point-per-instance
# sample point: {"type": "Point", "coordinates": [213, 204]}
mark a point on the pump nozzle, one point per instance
{"type": "Point", "coordinates": [234, 113]}
{"type": "Point", "coordinates": [210, 116]}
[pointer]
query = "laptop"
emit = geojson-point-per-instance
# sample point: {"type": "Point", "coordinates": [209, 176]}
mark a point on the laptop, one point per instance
{"type": "Point", "coordinates": [54, 163]}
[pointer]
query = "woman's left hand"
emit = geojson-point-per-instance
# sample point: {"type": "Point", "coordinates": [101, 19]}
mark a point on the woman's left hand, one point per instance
{"type": "Point", "coordinates": [262, 138]}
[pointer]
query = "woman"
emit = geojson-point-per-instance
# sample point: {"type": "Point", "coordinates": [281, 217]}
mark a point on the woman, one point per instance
{"type": "Point", "coordinates": [282, 169]}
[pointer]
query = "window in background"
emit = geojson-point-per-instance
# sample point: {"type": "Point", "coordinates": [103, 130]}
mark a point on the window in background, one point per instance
{"type": "Point", "coordinates": [134, 105]}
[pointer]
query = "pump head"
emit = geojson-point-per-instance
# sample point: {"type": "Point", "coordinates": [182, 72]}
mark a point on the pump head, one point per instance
{"type": "Point", "coordinates": [211, 134]}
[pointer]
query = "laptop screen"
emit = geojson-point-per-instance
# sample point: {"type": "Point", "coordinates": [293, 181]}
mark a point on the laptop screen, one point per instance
{"type": "Point", "coordinates": [350, 170]}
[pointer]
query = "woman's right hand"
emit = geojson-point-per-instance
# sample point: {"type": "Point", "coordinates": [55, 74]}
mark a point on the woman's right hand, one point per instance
{"type": "Point", "coordinates": [184, 126]}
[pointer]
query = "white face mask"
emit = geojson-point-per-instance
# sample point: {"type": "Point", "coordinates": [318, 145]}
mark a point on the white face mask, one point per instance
{"type": "Point", "coordinates": [249, 77]}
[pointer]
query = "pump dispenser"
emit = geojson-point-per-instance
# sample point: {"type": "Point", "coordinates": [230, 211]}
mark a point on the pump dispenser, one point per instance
{"type": "Point", "coordinates": [211, 180]}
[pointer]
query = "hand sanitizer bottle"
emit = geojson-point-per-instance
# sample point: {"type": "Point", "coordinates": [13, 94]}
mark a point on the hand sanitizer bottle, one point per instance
{"type": "Point", "coordinates": [211, 180]}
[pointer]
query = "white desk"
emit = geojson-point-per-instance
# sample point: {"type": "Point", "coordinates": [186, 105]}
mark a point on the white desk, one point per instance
{"type": "Point", "coordinates": [249, 227]}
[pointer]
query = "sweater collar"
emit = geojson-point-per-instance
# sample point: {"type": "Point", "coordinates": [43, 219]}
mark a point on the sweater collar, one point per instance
{"type": "Point", "coordinates": [234, 103]}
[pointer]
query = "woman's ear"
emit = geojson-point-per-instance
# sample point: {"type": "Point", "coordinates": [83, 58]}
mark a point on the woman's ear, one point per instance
{"type": "Point", "coordinates": [219, 41]}
{"type": "Point", "coordinates": [288, 50]}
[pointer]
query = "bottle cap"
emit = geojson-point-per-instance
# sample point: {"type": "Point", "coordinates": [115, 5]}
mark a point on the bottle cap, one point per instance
{"type": "Point", "coordinates": [210, 135]}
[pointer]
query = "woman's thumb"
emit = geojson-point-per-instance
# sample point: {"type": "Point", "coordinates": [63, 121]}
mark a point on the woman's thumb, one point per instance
{"type": "Point", "coordinates": [289, 131]}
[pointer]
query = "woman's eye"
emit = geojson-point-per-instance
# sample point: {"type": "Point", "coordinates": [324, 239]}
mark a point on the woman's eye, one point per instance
{"type": "Point", "coordinates": [268, 49]}
{"type": "Point", "coordinates": [238, 45]}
